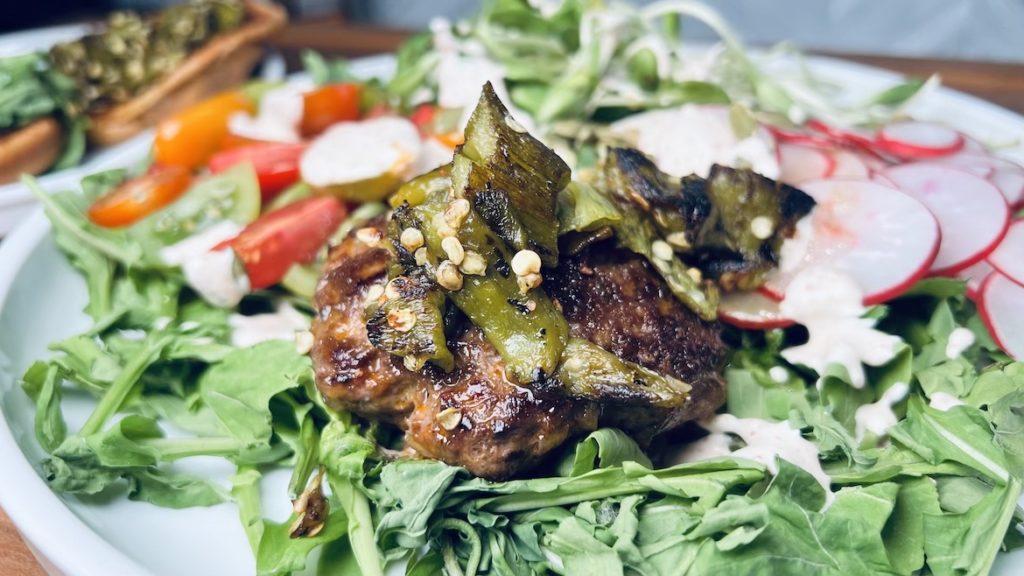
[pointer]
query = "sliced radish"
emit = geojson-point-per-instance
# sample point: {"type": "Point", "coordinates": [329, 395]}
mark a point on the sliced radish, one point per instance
{"type": "Point", "coordinates": [799, 163]}
{"type": "Point", "coordinates": [1006, 175]}
{"type": "Point", "coordinates": [975, 276]}
{"type": "Point", "coordinates": [972, 213]}
{"type": "Point", "coordinates": [874, 162]}
{"type": "Point", "coordinates": [1000, 304]}
{"type": "Point", "coordinates": [883, 238]}
{"type": "Point", "coordinates": [884, 180]}
{"type": "Point", "coordinates": [752, 311]}
{"type": "Point", "coordinates": [972, 145]}
{"type": "Point", "coordinates": [798, 136]}
{"type": "Point", "coordinates": [914, 140]}
{"type": "Point", "coordinates": [849, 165]}
{"type": "Point", "coordinates": [979, 164]}
{"type": "Point", "coordinates": [1010, 181]}
{"type": "Point", "coordinates": [842, 135]}
{"type": "Point", "coordinates": [1008, 257]}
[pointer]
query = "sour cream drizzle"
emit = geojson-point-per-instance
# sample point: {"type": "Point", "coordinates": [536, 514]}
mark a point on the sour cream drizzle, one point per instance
{"type": "Point", "coordinates": [960, 339]}
{"type": "Point", "coordinates": [878, 417]}
{"type": "Point", "coordinates": [765, 441]}
{"type": "Point", "coordinates": [214, 275]}
{"type": "Point", "coordinates": [279, 115]}
{"type": "Point", "coordinates": [944, 402]}
{"type": "Point", "coordinates": [285, 323]}
{"type": "Point", "coordinates": [828, 303]}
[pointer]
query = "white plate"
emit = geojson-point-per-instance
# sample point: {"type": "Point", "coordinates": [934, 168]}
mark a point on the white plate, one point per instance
{"type": "Point", "coordinates": [41, 299]}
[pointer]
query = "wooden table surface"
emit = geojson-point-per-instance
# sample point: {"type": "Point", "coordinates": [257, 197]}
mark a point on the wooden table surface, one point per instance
{"type": "Point", "coordinates": [1000, 83]}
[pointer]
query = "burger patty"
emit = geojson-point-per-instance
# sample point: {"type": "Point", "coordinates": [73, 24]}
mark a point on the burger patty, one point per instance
{"type": "Point", "coordinates": [475, 416]}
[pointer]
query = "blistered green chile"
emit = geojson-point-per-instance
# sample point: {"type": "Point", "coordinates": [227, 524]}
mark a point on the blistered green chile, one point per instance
{"type": "Point", "coordinates": [512, 179]}
{"type": "Point", "coordinates": [589, 371]}
{"type": "Point", "coordinates": [527, 330]}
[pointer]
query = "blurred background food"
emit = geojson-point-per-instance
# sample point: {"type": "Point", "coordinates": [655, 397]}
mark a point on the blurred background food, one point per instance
{"type": "Point", "coordinates": [960, 29]}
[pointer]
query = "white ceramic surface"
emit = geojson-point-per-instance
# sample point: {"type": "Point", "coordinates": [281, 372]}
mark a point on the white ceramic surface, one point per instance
{"type": "Point", "coordinates": [41, 299]}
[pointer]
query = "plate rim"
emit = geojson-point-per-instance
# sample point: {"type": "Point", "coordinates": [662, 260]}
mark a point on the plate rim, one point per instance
{"type": "Point", "coordinates": [52, 530]}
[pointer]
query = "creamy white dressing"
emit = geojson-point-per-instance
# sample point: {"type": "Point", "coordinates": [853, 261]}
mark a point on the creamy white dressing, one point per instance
{"type": "Point", "coordinates": [690, 138]}
{"type": "Point", "coordinates": [778, 374]}
{"type": "Point", "coordinates": [213, 275]}
{"type": "Point", "coordinates": [878, 417]}
{"type": "Point", "coordinates": [960, 339]}
{"type": "Point", "coordinates": [828, 303]}
{"type": "Point", "coordinates": [713, 445]}
{"type": "Point", "coordinates": [547, 8]}
{"type": "Point", "coordinates": [355, 151]}
{"type": "Point", "coordinates": [278, 117]}
{"type": "Point", "coordinates": [433, 153]}
{"type": "Point", "coordinates": [765, 441]}
{"type": "Point", "coordinates": [199, 243]}
{"type": "Point", "coordinates": [216, 277]}
{"type": "Point", "coordinates": [282, 324]}
{"type": "Point", "coordinates": [944, 402]}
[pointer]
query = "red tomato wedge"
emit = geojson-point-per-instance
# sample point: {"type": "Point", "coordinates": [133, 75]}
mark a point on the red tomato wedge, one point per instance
{"type": "Point", "coordinates": [276, 164]}
{"type": "Point", "coordinates": [139, 197]}
{"type": "Point", "coordinates": [422, 116]}
{"type": "Point", "coordinates": [329, 105]}
{"type": "Point", "coordinates": [190, 137]}
{"type": "Point", "coordinates": [272, 244]}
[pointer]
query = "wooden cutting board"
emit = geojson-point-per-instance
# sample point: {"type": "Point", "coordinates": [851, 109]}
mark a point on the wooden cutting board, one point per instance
{"type": "Point", "coordinates": [15, 559]}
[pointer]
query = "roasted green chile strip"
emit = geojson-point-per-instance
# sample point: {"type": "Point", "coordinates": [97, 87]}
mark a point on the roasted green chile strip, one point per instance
{"type": "Point", "coordinates": [527, 330]}
{"type": "Point", "coordinates": [408, 321]}
{"type": "Point", "coordinates": [512, 179]}
{"type": "Point", "coordinates": [589, 371]}
{"type": "Point", "coordinates": [752, 215]}
{"type": "Point", "coordinates": [639, 232]}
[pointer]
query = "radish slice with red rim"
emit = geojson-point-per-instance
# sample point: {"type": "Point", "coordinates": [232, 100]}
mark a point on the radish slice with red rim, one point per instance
{"type": "Point", "coordinates": [884, 180]}
{"type": "Point", "coordinates": [849, 165]}
{"type": "Point", "coordinates": [842, 135]}
{"type": "Point", "coordinates": [975, 276]}
{"type": "Point", "coordinates": [913, 140]}
{"type": "Point", "coordinates": [972, 213]}
{"type": "Point", "coordinates": [1000, 304]}
{"type": "Point", "coordinates": [798, 163]}
{"type": "Point", "coordinates": [1008, 257]}
{"type": "Point", "coordinates": [881, 237]}
{"type": "Point", "coordinates": [752, 311]}
{"type": "Point", "coordinates": [1007, 176]}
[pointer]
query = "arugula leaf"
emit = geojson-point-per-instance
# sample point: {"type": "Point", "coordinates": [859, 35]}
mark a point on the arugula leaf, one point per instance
{"type": "Point", "coordinates": [42, 382]}
{"type": "Point", "coordinates": [279, 554]}
{"type": "Point", "coordinates": [245, 490]}
{"type": "Point", "coordinates": [961, 434]}
{"type": "Point", "coordinates": [239, 388]}
{"type": "Point", "coordinates": [904, 533]}
{"type": "Point", "coordinates": [601, 449]}
{"type": "Point", "coordinates": [955, 545]}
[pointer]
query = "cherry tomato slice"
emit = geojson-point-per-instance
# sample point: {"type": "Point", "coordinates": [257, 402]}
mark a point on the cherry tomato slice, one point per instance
{"type": "Point", "coordinates": [190, 137]}
{"type": "Point", "coordinates": [276, 164]}
{"type": "Point", "coordinates": [140, 197]}
{"type": "Point", "coordinates": [231, 141]}
{"type": "Point", "coordinates": [423, 117]}
{"type": "Point", "coordinates": [272, 244]}
{"type": "Point", "coordinates": [329, 105]}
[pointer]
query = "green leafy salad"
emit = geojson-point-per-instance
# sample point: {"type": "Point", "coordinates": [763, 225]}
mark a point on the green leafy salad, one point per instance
{"type": "Point", "coordinates": [934, 492]}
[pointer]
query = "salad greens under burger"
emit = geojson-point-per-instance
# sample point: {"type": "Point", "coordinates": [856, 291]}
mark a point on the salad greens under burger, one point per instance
{"type": "Point", "coordinates": [560, 297]}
